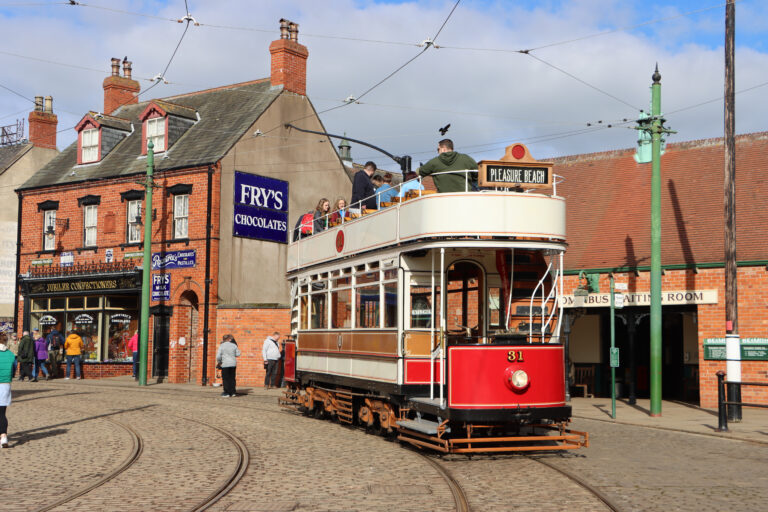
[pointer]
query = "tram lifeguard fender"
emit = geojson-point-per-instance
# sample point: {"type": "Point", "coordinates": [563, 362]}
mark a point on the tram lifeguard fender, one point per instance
{"type": "Point", "coordinates": [478, 376]}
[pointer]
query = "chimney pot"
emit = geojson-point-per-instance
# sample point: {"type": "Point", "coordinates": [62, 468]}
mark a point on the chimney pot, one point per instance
{"type": "Point", "coordinates": [38, 103]}
{"type": "Point", "coordinates": [115, 66]}
{"type": "Point", "coordinates": [284, 29]}
{"type": "Point", "coordinates": [293, 28]}
{"type": "Point", "coordinates": [127, 68]}
{"type": "Point", "coordinates": [48, 105]}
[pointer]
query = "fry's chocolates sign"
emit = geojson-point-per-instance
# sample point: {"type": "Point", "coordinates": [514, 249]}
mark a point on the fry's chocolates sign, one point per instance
{"type": "Point", "coordinates": [261, 208]}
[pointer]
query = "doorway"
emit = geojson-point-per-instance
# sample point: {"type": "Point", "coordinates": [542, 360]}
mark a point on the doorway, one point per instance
{"type": "Point", "coordinates": [160, 340]}
{"type": "Point", "coordinates": [465, 304]}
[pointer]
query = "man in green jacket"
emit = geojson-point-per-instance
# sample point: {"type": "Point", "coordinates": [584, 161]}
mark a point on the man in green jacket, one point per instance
{"type": "Point", "coordinates": [449, 160]}
{"type": "Point", "coordinates": [26, 356]}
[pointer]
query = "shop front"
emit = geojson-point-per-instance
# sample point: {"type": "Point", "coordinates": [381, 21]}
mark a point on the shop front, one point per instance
{"type": "Point", "coordinates": [101, 307]}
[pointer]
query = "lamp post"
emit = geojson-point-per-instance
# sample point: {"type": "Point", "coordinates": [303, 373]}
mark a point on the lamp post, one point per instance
{"type": "Point", "coordinates": [147, 265]}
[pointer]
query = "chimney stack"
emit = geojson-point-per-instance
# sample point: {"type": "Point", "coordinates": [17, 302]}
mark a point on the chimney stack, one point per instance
{"type": "Point", "coordinates": [120, 90]}
{"type": "Point", "coordinates": [289, 59]}
{"type": "Point", "coordinates": [43, 123]}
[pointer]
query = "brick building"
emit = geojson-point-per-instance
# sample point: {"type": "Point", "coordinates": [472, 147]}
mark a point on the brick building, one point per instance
{"type": "Point", "coordinates": [19, 158]}
{"type": "Point", "coordinates": [609, 232]}
{"type": "Point", "coordinates": [212, 272]}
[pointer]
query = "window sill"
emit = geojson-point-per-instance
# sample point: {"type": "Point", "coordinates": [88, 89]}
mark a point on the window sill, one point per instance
{"type": "Point", "coordinates": [50, 251]}
{"type": "Point", "coordinates": [94, 248]}
{"type": "Point", "coordinates": [131, 244]}
{"type": "Point", "coordinates": [185, 241]}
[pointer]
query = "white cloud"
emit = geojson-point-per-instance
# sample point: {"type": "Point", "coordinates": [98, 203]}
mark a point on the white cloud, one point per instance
{"type": "Point", "coordinates": [519, 98]}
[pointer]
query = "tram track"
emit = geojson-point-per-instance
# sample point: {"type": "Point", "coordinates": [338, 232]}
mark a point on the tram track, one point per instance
{"type": "Point", "coordinates": [578, 481]}
{"type": "Point", "coordinates": [136, 451]}
{"type": "Point", "coordinates": [459, 498]}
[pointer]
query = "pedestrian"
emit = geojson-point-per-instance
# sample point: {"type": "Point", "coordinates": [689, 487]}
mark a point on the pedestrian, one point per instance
{"type": "Point", "coordinates": [133, 347]}
{"type": "Point", "coordinates": [13, 346]}
{"type": "Point", "coordinates": [55, 345]}
{"type": "Point", "coordinates": [226, 360]}
{"type": "Point", "coordinates": [270, 354]}
{"type": "Point", "coordinates": [6, 376]}
{"type": "Point", "coordinates": [363, 193]}
{"type": "Point", "coordinates": [449, 160]}
{"type": "Point", "coordinates": [73, 347]}
{"type": "Point", "coordinates": [41, 356]}
{"type": "Point", "coordinates": [26, 356]}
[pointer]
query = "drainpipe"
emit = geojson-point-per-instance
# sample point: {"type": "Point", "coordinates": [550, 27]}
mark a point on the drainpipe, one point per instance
{"type": "Point", "coordinates": [207, 275]}
{"type": "Point", "coordinates": [18, 267]}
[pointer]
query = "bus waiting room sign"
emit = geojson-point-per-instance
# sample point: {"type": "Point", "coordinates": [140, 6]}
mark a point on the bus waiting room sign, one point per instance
{"type": "Point", "coordinates": [261, 208]}
{"type": "Point", "coordinates": [516, 169]}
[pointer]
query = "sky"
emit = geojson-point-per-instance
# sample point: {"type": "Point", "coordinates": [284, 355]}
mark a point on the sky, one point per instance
{"type": "Point", "coordinates": [589, 65]}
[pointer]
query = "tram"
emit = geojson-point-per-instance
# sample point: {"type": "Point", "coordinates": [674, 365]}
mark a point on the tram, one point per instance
{"type": "Point", "coordinates": [436, 318]}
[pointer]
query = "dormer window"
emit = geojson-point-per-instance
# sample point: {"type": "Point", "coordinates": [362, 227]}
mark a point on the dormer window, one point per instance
{"type": "Point", "coordinates": [156, 133]}
{"type": "Point", "coordinates": [89, 145]}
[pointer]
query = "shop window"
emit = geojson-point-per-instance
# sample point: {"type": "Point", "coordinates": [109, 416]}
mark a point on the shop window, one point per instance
{"type": "Point", "coordinates": [76, 303]}
{"type": "Point", "coordinates": [180, 216]}
{"type": "Point", "coordinates": [122, 302]}
{"type": "Point", "coordinates": [341, 309]}
{"type": "Point", "coordinates": [39, 304]}
{"type": "Point", "coordinates": [367, 300]}
{"type": "Point", "coordinates": [92, 302]}
{"type": "Point", "coordinates": [90, 223]}
{"type": "Point", "coordinates": [119, 328]}
{"type": "Point", "coordinates": [58, 303]}
{"type": "Point", "coordinates": [134, 221]}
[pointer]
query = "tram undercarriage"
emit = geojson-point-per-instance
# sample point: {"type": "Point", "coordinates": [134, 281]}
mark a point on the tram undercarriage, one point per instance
{"type": "Point", "coordinates": [525, 430]}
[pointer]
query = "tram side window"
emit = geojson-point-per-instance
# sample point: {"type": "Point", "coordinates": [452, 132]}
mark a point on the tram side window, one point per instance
{"type": "Point", "coordinates": [341, 309]}
{"type": "Point", "coordinates": [319, 313]}
{"type": "Point", "coordinates": [496, 317]}
{"type": "Point", "coordinates": [421, 306]}
{"type": "Point", "coordinates": [390, 304]}
{"type": "Point", "coordinates": [304, 313]}
{"type": "Point", "coordinates": [367, 299]}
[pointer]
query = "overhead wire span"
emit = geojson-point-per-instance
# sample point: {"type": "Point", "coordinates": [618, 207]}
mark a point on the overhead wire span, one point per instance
{"type": "Point", "coordinates": [16, 93]}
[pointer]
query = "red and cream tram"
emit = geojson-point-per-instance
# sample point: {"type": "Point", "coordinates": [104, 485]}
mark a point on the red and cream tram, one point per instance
{"type": "Point", "coordinates": [437, 318]}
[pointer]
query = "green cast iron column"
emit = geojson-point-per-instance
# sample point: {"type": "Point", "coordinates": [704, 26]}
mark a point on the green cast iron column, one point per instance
{"type": "Point", "coordinates": [656, 129]}
{"type": "Point", "coordinates": [145, 284]}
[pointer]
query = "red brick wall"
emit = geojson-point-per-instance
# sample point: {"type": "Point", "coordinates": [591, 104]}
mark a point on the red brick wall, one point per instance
{"type": "Point", "coordinates": [289, 65]}
{"type": "Point", "coordinates": [250, 326]}
{"type": "Point", "coordinates": [119, 91]}
{"type": "Point", "coordinates": [753, 319]}
{"type": "Point", "coordinates": [98, 371]}
{"type": "Point", "coordinates": [42, 129]}
{"type": "Point", "coordinates": [112, 222]}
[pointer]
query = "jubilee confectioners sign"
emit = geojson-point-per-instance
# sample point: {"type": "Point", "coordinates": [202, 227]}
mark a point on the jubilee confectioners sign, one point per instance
{"type": "Point", "coordinates": [752, 349]}
{"type": "Point", "coordinates": [84, 285]}
{"type": "Point", "coordinates": [261, 208]}
{"type": "Point", "coordinates": [668, 298]}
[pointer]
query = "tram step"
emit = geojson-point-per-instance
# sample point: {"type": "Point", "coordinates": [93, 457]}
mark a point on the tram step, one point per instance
{"type": "Point", "coordinates": [344, 407]}
{"type": "Point", "coordinates": [422, 425]}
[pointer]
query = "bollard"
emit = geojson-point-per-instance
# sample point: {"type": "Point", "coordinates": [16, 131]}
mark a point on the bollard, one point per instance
{"type": "Point", "coordinates": [722, 416]}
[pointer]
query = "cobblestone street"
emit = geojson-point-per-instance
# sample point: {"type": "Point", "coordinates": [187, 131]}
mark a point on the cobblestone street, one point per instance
{"type": "Point", "coordinates": [178, 446]}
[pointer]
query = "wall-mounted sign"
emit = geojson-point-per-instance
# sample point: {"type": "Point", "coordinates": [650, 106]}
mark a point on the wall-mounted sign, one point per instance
{"type": "Point", "coordinates": [109, 255]}
{"type": "Point", "coordinates": [752, 349]}
{"type": "Point", "coordinates": [174, 259]}
{"type": "Point", "coordinates": [120, 318]}
{"type": "Point", "coordinates": [83, 319]}
{"type": "Point", "coordinates": [668, 298]}
{"type": "Point", "coordinates": [161, 287]}
{"type": "Point", "coordinates": [517, 168]}
{"type": "Point", "coordinates": [48, 320]}
{"type": "Point", "coordinates": [43, 261]}
{"type": "Point", "coordinates": [84, 285]}
{"type": "Point", "coordinates": [261, 208]}
{"type": "Point", "coordinates": [132, 255]}
{"type": "Point", "coordinates": [67, 259]}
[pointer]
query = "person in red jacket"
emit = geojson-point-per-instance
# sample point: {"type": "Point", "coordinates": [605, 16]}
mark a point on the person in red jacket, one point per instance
{"type": "Point", "coordinates": [133, 347]}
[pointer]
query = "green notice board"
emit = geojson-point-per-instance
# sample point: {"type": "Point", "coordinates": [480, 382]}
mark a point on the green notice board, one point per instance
{"type": "Point", "coordinates": [752, 349]}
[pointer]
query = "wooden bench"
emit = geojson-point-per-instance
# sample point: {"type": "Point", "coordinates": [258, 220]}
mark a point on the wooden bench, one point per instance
{"type": "Point", "coordinates": [585, 380]}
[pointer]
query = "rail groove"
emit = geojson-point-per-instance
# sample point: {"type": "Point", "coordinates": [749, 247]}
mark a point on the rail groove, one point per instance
{"type": "Point", "coordinates": [138, 448]}
{"type": "Point", "coordinates": [244, 459]}
{"type": "Point", "coordinates": [462, 504]}
{"type": "Point", "coordinates": [580, 482]}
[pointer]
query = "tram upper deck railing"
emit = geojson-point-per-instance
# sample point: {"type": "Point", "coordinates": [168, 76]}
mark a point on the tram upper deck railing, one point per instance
{"type": "Point", "coordinates": [537, 215]}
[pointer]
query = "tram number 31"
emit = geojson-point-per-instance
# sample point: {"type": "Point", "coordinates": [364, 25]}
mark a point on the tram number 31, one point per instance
{"type": "Point", "coordinates": [513, 356]}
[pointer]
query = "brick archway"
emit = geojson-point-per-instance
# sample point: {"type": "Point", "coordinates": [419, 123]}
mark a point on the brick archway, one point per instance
{"type": "Point", "coordinates": [185, 357]}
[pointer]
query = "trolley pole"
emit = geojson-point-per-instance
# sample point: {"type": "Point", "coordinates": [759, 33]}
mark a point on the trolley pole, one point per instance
{"type": "Point", "coordinates": [147, 265]}
{"type": "Point", "coordinates": [613, 347]}
{"type": "Point", "coordinates": [656, 129]}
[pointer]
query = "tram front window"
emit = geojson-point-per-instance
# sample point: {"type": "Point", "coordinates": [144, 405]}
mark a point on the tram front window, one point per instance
{"type": "Point", "coordinates": [421, 306]}
{"type": "Point", "coordinates": [465, 303]}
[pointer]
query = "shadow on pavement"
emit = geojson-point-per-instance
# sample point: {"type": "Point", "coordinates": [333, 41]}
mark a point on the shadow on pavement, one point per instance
{"type": "Point", "coordinates": [602, 409]}
{"type": "Point", "coordinates": [637, 407]}
{"type": "Point", "coordinates": [105, 415]}
{"type": "Point", "coordinates": [21, 438]}
{"type": "Point", "coordinates": [16, 401]}
{"type": "Point", "coordinates": [696, 407]}
{"type": "Point", "coordinates": [24, 392]}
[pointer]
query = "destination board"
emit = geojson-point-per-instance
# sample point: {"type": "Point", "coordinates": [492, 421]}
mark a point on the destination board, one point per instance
{"type": "Point", "coordinates": [516, 169]}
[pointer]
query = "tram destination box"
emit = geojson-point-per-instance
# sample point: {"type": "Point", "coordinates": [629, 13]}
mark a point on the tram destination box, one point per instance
{"type": "Point", "coordinates": [516, 169]}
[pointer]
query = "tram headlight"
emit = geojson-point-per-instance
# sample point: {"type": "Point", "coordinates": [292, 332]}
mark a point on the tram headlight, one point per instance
{"type": "Point", "coordinates": [519, 379]}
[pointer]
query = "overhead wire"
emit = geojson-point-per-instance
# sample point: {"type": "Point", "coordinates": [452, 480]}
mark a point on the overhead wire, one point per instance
{"type": "Point", "coordinates": [16, 93]}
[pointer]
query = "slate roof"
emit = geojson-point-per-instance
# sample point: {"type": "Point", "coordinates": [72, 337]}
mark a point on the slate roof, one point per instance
{"type": "Point", "coordinates": [225, 114]}
{"type": "Point", "coordinates": [176, 110]}
{"type": "Point", "coordinates": [10, 154]}
{"type": "Point", "coordinates": [110, 121]}
{"type": "Point", "coordinates": [608, 205]}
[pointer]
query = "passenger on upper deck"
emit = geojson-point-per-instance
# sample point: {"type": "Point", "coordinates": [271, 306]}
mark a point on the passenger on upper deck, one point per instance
{"type": "Point", "coordinates": [386, 191]}
{"type": "Point", "coordinates": [321, 216]}
{"type": "Point", "coordinates": [362, 188]}
{"type": "Point", "coordinates": [411, 183]}
{"type": "Point", "coordinates": [449, 160]}
{"type": "Point", "coordinates": [339, 210]}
